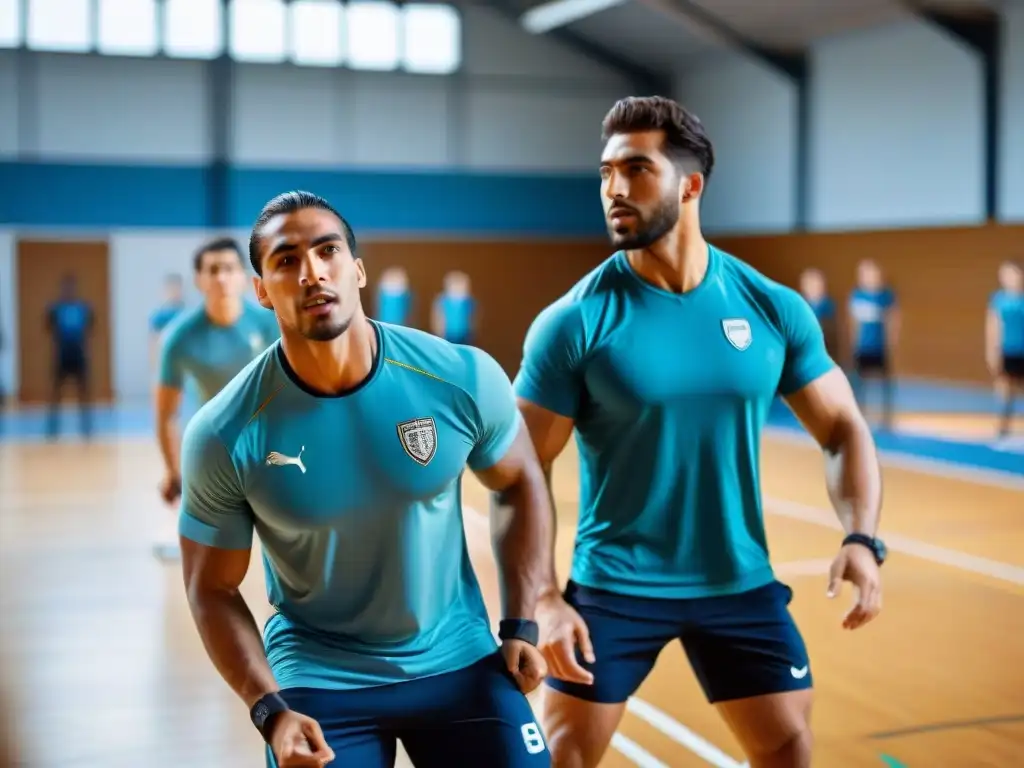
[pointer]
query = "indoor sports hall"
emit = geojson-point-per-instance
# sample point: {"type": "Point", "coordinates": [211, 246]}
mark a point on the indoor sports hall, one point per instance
{"type": "Point", "coordinates": [462, 142]}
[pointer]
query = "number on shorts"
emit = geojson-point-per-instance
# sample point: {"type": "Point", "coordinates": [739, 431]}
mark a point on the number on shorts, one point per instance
{"type": "Point", "coordinates": [532, 738]}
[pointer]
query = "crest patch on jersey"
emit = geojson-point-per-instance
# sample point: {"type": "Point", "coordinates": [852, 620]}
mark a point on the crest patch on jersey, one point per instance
{"type": "Point", "coordinates": [737, 331]}
{"type": "Point", "coordinates": [419, 439]}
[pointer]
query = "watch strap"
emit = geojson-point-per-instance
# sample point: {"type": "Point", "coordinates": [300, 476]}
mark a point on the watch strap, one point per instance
{"type": "Point", "coordinates": [519, 629]}
{"type": "Point", "coordinates": [265, 711]}
{"type": "Point", "coordinates": [865, 541]}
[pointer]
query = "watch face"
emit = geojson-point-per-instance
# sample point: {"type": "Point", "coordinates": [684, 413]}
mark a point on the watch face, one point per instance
{"type": "Point", "coordinates": [880, 549]}
{"type": "Point", "coordinates": [260, 713]}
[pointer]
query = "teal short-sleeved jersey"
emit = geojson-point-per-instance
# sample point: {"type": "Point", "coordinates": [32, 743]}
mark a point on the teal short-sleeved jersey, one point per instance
{"type": "Point", "coordinates": [194, 346]}
{"type": "Point", "coordinates": [1009, 307]}
{"type": "Point", "coordinates": [357, 503]}
{"type": "Point", "coordinates": [669, 393]}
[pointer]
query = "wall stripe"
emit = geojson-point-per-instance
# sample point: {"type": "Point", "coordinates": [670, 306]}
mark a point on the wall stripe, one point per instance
{"type": "Point", "coordinates": [92, 195]}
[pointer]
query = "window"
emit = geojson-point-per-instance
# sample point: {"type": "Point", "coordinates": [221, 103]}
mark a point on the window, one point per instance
{"type": "Point", "coordinates": [193, 29]}
{"type": "Point", "coordinates": [316, 33]}
{"type": "Point", "coordinates": [127, 27]}
{"type": "Point", "coordinates": [60, 25]}
{"type": "Point", "coordinates": [372, 35]}
{"type": "Point", "coordinates": [431, 39]}
{"type": "Point", "coordinates": [257, 30]}
{"type": "Point", "coordinates": [10, 23]}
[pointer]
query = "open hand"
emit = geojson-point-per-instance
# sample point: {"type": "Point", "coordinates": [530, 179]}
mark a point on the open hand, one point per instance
{"type": "Point", "coordinates": [562, 630]}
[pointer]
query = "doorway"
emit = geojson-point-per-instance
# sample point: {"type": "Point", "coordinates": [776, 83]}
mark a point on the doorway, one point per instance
{"type": "Point", "coordinates": [41, 265]}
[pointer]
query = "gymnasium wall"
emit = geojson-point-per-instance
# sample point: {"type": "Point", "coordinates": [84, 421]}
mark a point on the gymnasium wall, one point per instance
{"type": "Point", "coordinates": [499, 155]}
{"type": "Point", "coordinates": [895, 139]}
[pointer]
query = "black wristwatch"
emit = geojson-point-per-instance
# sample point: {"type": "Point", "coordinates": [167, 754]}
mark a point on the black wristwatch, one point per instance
{"type": "Point", "coordinates": [876, 545]}
{"type": "Point", "coordinates": [265, 711]}
{"type": "Point", "coordinates": [519, 629]}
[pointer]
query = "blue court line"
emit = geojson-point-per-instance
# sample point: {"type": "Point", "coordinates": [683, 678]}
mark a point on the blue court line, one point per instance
{"type": "Point", "coordinates": [892, 762]}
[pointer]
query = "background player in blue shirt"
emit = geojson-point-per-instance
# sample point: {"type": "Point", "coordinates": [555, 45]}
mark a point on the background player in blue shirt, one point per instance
{"type": "Point", "coordinates": [665, 361]}
{"type": "Point", "coordinates": [203, 349]}
{"type": "Point", "coordinates": [815, 292]}
{"type": "Point", "coordinates": [172, 305]}
{"type": "Point", "coordinates": [1004, 340]}
{"type": "Point", "coordinates": [394, 299]}
{"type": "Point", "coordinates": [344, 447]}
{"type": "Point", "coordinates": [453, 315]}
{"type": "Point", "coordinates": [70, 321]}
{"type": "Point", "coordinates": [875, 326]}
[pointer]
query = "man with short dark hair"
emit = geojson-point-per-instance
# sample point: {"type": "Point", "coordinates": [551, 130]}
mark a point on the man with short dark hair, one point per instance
{"type": "Point", "coordinates": [208, 346]}
{"type": "Point", "coordinates": [70, 320]}
{"type": "Point", "coordinates": [344, 446]}
{"type": "Point", "coordinates": [665, 361]}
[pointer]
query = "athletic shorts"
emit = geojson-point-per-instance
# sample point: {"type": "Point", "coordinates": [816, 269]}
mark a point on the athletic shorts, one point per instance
{"type": "Point", "coordinates": [871, 363]}
{"type": "Point", "coordinates": [738, 645]}
{"type": "Point", "coordinates": [475, 716]}
{"type": "Point", "coordinates": [1013, 367]}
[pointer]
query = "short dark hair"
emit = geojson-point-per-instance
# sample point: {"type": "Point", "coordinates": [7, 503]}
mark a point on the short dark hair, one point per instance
{"type": "Point", "coordinates": [290, 202]}
{"type": "Point", "coordinates": [685, 136]}
{"type": "Point", "coordinates": [217, 244]}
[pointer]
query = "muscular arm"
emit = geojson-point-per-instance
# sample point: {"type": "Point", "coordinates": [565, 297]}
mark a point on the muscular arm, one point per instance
{"type": "Point", "coordinates": [549, 433]}
{"type": "Point", "coordinates": [225, 623]}
{"type": "Point", "coordinates": [167, 403]}
{"type": "Point", "coordinates": [827, 409]}
{"type": "Point", "coordinates": [521, 527]}
{"type": "Point", "coordinates": [216, 527]}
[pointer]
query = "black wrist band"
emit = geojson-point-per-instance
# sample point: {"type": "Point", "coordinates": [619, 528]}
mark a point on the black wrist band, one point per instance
{"type": "Point", "coordinates": [519, 629]}
{"type": "Point", "coordinates": [265, 711]}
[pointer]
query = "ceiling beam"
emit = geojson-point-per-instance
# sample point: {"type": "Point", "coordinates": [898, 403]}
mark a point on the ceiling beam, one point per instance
{"type": "Point", "coordinates": [644, 81]}
{"type": "Point", "coordinates": [980, 29]}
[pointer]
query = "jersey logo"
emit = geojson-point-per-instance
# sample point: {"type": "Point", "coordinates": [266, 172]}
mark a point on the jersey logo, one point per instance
{"type": "Point", "coordinates": [280, 460]}
{"type": "Point", "coordinates": [419, 439]}
{"type": "Point", "coordinates": [737, 331]}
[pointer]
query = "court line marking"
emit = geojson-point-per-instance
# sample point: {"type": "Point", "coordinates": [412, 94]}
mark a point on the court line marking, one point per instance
{"type": "Point", "coordinates": [635, 753]}
{"type": "Point", "coordinates": [903, 460]}
{"type": "Point", "coordinates": [948, 726]}
{"type": "Point", "coordinates": [680, 734]}
{"type": "Point", "coordinates": [949, 557]}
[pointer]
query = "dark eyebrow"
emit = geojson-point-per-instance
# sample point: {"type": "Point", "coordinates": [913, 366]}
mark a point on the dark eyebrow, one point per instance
{"type": "Point", "coordinates": [632, 159]}
{"type": "Point", "coordinates": [286, 246]}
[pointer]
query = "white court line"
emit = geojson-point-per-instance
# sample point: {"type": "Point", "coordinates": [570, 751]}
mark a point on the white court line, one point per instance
{"type": "Point", "coordinates": [937, 467]}
{"type": "Point", "coordinates": [635, 753]}
{"type": "Point", "coordinates": [680, 734]}
{"type": "Point", "coordinates": [908, 546]}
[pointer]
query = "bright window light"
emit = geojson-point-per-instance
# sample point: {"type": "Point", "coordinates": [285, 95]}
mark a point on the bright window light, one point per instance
{"type": "Point", "coordinates": [60, 25]}
{"type": "Point", "coordinates": [10, 23]}
{"type": "Point", "coordinates": [192, 29]}
{"type": "Point", "coordinates": [127, 28]}
{"type": "Point", "coordinates": [258, 30]}
{"type": "Point", "coordinates": [317, 27]}
{"type": "Point", "coordinates": [372, 35]}
{"type": "Point", "coordinates": [431, 39]}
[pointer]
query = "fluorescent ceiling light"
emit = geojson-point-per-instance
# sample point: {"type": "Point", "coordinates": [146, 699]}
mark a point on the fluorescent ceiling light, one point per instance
{"type": "Point", "coordinates": [558, 13]}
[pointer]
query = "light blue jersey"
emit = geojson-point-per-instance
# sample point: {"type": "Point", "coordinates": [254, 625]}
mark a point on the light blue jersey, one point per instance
{"type": "Point", "coordinates": [458, 313]}
{"type": "Point", "coordinates": [1010, 309]}
{"type": "Point", "coordinates": [393, 306]}
{"type": "Point", "coordinates": [669, 393]}
{"type": "Point", "coordinates": [824, 309]}
{"type": "Point", "coordinates": [357, 502]}
{"type": "Point", "coordinates": [210, 355]}
{"type": "Point", "coordinates": [870, 309]}
{"type": "Point", "coordinates": [163, 316]}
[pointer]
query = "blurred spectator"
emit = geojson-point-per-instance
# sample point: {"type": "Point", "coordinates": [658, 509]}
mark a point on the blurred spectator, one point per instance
{"type": "Point", "coordinates": [394, 299]}
{"type": "Point", "coordinates": [454, 312]}
{"type": "Point", "coordinates": [1004, 340]}
{"type": "Point", "coordinates": [70, 321]}
{"type": "Point", "coordinates": [874, 327]}
{"type": "Point", "coordinates": [815, 292]}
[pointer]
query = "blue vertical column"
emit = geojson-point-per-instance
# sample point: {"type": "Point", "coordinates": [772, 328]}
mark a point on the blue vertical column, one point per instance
{"type": "Point", "coordinates": [220, 81]}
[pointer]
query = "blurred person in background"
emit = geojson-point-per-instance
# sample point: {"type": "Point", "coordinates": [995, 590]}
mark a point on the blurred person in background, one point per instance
{"type": "Point", "coordinates": [453, 315]}
{"type": "Point", "coordinates": [874, 327]}
{"type": "Point", "coordinates": [394, 299]}
{"type": "Point", "coordinates": [1004, 340]}
{"type": "Point", "coordinates": [70, 321]}
{"type": "Point", "coordinates": [815, 292]}
{"type": "Point", "coordinates": [172, 306]}
{"type": "Point", "coordinates": [207, 345]}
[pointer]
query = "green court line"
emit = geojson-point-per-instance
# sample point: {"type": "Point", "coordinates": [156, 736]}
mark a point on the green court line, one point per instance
{"type": "Point", "coordinates": [892, 762]}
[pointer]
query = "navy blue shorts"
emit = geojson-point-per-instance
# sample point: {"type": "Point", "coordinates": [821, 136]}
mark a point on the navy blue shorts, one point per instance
{"type": "Point", "coordinates": [475, 716]}
{"type": "Point", "coordinates": [738, 645]}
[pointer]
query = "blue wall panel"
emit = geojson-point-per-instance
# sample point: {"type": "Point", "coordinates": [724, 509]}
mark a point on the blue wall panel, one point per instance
{"type": "Point", "coordinates": [48, 194]}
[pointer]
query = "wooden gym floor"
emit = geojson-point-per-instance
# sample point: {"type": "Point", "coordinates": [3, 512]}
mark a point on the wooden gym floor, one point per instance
{"type": "Point", "coordinates": [105, 669]}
